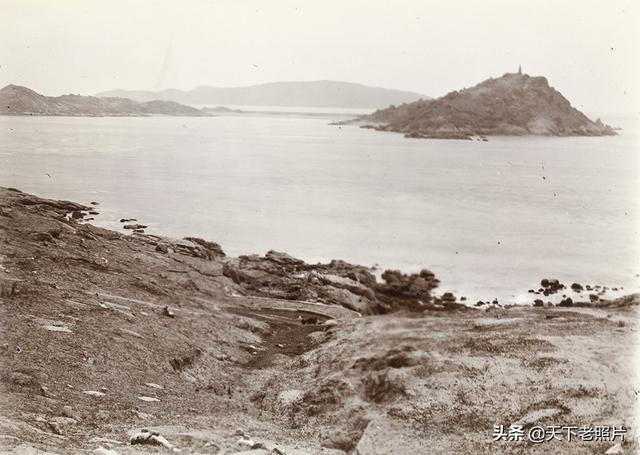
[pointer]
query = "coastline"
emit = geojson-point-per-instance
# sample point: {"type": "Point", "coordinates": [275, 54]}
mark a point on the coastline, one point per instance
{"type": "Point", "coordinates": [408, 237]}
{"type": "Point", "coordinates": [338, 282]}
{"type": "Point", "coordinates": [240, 350]}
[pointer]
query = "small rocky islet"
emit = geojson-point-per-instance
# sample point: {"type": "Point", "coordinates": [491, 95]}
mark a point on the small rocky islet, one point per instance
{"type": "Point", "coordinates": [514, 104]}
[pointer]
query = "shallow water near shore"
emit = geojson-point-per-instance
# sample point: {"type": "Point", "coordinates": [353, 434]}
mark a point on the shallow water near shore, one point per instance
{"type": "Point", "coordinates": [489, 218]}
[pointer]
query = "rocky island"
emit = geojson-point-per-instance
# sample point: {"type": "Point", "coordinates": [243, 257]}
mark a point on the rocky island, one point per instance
{"type": "Point", "coordinates": [18, 100]}
{"type": "Point", "coordinates": [515, 104]}
{"type": "Point", "coordinates": [124, 344]}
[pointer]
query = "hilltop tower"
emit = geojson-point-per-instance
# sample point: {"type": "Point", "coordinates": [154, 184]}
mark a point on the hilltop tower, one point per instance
{"type": "Point", "coordinates": [519, 69]}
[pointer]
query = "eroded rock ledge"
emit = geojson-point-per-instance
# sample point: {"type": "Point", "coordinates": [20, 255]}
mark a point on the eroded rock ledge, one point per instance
{"type": "Point", "coordinates": [279, 275]}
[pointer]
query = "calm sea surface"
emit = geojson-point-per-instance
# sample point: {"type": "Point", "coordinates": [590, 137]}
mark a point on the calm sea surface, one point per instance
{"type": "Point", "coordinates": [489, 218]}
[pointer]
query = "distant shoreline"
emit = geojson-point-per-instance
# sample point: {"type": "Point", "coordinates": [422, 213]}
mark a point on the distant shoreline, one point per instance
{"type": "Point", "coordinates": [2, 114]}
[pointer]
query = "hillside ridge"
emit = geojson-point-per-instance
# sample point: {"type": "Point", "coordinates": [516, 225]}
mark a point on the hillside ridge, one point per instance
{"type": "Point", "coordinates": [19, 100]}
{"type": "Point", "coordinates": [323, 93]}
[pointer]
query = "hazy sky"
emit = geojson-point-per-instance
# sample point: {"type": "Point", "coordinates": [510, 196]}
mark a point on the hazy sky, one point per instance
{"type": "Point", "coordinates": [587, 49]}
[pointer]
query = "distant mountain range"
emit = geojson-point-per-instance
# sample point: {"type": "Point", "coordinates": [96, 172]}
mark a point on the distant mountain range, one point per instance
{"type": "Point", "coordinates": [307, 94]}
{"type": "Point", "coordinates": [514, 104]}
{"type": "Point", "coordinates": [17, 100]}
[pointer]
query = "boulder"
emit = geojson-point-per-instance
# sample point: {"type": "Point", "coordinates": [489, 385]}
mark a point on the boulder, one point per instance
{"type": "Point", "coordinates": [162, 248]}
{"type": "Point", "coordinates": [153, 385]}
{"type": "Point", "coordinates": [311, 320]}
{"type": "Point", "coordinates": [93, 393]}
{"type": "Point", "coordinates": [566, 302]}
{"type": "Point", "coordinates": [414, 285]}
{"type": "Point", "coordinates": [199, 248]}
{"type": "Point", "coordinates": [55, 232]}
{"type": "Point", "coordinates": [151, 438]}
{"type": "Point", "coordinates": [44, 237]}
{"type": "Point", "coordinates": [576, 287]}
{"type": "Point", "coordinates": [346, 298]}
{"type": "Point", "coordinates": [63, 421]}
{"type": "Point", "coordinates": [213, 249]}
{"type": "Point", "coordinates": [283, 258]}
{"type": "Point", "coordinates": [356, 273]}
{"type": "Point", "coordinates": [342, 440]}
{"type": "Point", "coordinates": [68, 411]}
{"type": "Point", "coordinates": [134, 226]}
{"type": "Point", "coordinates": [448, 297]}
{"type": "Point", "coordinates": [550, 283]}
{"type": "Point", "coordinates": [232, 270]}
{"type": "Point", "coordinates": [551, 286]}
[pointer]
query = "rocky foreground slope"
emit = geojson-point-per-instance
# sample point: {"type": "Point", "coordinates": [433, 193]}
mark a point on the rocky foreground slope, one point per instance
{"type": "Point", "coordinates": [17, 100]}
{"type": "Point", "coordinates": [512, 105]}
{"type": "Point", "coordinates": [105, 335]}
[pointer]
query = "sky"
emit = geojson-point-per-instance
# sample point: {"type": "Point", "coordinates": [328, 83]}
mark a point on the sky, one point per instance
{"type": "Point", "coordinates": [587, 49]}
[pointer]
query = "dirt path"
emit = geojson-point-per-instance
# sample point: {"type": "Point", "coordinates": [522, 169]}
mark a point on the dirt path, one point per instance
{"type": "Point", "coordinates": [287, 335]}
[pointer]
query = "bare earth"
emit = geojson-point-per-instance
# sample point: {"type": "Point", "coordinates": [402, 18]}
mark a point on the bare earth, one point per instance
{"type": "Point", "coordinates": [105, 334]}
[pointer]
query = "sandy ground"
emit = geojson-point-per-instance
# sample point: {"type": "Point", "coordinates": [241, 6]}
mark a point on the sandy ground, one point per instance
{"type": "Point", "coordinates": [103, 336]}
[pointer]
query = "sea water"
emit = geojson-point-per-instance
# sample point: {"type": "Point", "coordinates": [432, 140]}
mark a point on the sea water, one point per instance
{"type": "Point", "coordinates": [490, 219]}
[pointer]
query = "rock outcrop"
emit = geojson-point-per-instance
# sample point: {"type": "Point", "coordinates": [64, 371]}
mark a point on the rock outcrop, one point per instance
{"type": "Point", "coordinates": [278, 275]}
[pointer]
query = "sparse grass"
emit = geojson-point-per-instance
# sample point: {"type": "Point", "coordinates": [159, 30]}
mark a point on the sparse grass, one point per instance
{"type": "Point", "coordinates": [394, 358]}
{"type": "Point", "coordinates": [380, 387]}
{"type": "Point", "coordinates": [542, 363]}
{"type": "Point", "coordinates": [326, 396]}
{"type": "Point", "coordinates": [484, 346]}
